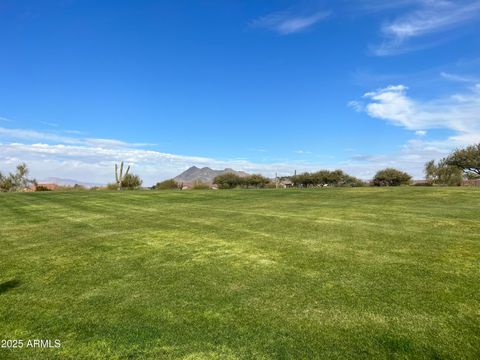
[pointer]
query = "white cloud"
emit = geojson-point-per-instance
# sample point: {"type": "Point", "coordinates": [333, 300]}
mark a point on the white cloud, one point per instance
{"type": "Point", "coordinates": [411, 158]}
{"type": "Point", "coordinates": [95, 163]}
{"type": "Point", "coordinates": [286, 23]}
{"type": "Point", "coordinates": [433, 16]}
{"type": "Point", "coordinates": [459, 113]}
{"type": "Point", "coordinates": [5, 119]}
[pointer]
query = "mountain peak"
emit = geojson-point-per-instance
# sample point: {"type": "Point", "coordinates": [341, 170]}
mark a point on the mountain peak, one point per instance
{"type": "Point", "coordinates": [204, 175]}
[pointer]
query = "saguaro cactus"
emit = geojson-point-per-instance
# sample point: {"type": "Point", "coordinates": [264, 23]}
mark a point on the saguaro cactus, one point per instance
{"type": "Point", "coordinates": [120, 176]}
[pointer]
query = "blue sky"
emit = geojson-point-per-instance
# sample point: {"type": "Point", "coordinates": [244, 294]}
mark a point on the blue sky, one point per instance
{"type": "Point", "coordinates": [264, 87]}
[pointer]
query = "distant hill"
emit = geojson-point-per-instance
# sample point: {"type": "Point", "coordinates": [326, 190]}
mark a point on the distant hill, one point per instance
{"type": "Point", "coordinates": [67, 182]}
{"type": "Point", "coordinates": [204, 175]}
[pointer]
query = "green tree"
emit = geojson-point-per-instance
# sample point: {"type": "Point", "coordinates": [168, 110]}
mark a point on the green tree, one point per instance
{"type": "Point", "coordinates": [256, 181]}
{"type": "Point", "coordinates": [131, 182]}
{"type": "Point", "coordinates": [430, 171]}
{"type": "Point", "coordinates": [166, 185]}
{"type": "Point", "coordinates": [468, 159]}
{"type": "Point", "coordinates": [228, 181]}
{"type": "Point", "coordinates": [443, 173]}
{"type": "Point", "coordinates": [350, 181]}
{"type": "Point", "coordinates": [391, 177]}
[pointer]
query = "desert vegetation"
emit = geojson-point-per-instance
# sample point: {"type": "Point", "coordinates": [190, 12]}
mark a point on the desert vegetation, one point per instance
{"type": "Point", "coordinates": [231, 181]}
{"type": "Point", "coordinates": [17, 181]}
{"type": "Point", "coordinates": [125, 180]}
{"type": "Point", "coordinates": [169, 184]}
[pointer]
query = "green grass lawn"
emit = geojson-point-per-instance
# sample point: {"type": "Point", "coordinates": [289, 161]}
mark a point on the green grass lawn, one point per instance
{"type": "Point", "coordinates": [291, 274]}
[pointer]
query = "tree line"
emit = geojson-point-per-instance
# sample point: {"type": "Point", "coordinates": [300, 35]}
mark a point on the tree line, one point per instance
{"type": "Point", "coordinates": [325, 178]}
{"type": "Point", "coordinates": [231, 181]}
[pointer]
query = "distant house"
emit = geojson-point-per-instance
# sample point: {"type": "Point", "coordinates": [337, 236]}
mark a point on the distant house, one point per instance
{"type": "Point", "coordinates": [286, 184]}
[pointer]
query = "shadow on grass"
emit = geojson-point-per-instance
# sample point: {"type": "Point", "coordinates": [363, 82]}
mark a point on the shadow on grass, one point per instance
{"type": "Point", "coordinates": [8, 285]}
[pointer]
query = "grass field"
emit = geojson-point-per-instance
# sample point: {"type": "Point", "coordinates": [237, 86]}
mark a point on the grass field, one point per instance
{"type": "Point", "coordinates": [292, 274]}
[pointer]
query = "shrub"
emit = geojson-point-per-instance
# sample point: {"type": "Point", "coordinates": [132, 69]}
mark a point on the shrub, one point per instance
{"type": "Point", "coordinates": [131, 182]}
{"type": "Point", "coordinates": [228, 181]}
{"type": "Point", "coordinates": [255, 180]}
{"type": "Point", "coordinates": [167, 185]}
{"type": "Point", "coordinates": [42, 188]}
{"type": "Point", "coordinates": [17, 181]}
{"type": "Point", "coordinates": [112, 186]}
{"type": "Point", "coordinates": [391, 177]}
{"type": "Point", "coordinates": [200, 186]}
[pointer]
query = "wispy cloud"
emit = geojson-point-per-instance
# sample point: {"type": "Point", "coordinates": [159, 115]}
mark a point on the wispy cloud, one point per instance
{"type": "Point", "coordinates": [432, 16]}
{"type": "Point", "coordinates": [372, 6]}
{"type": "Point", "coordinates": [5, 119]}
{"type": "Point", "coordinates": [51, 124]}
{"type": "Point", "coordinates": [34, 135]}
{"type": "Point", "coordinates": [459, 78]}
{"type": "Point", "coordinates": [285, 22]}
